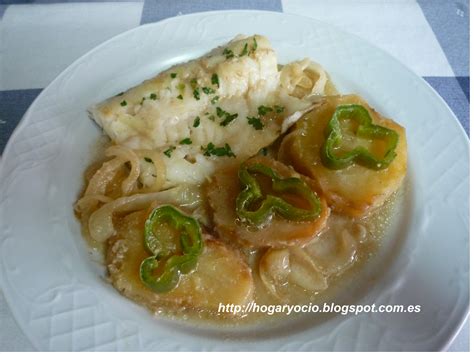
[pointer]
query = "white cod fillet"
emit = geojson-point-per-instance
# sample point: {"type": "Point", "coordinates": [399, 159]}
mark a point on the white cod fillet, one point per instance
{"type": "Point", "coordinates": [207, 100]}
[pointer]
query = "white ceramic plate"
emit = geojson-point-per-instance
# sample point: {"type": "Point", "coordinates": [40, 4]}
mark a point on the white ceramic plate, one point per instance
{"type": "Point", "coordinates": [58, 295]}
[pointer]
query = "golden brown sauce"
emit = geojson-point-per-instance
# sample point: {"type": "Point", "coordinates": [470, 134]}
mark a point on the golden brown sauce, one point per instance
{"type": "Point", "coordinates": [376, 225]}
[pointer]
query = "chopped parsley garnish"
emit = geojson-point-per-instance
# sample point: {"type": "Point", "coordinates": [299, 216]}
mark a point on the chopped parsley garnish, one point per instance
{"type": "Point", "coordinates": [143, 100]}
{"type": "Point", "coordinates": [215, 99]}
{"type": "Point", "coordinates": [208, 90]}
{"type": "Point", "coordinates": [264, 151]}
{"type": "Point", "coordinates": [153, 96]}
{"type": "Point", "coordinates": [255, 122]}
{"type": "Point", "coordinates": [119, 94]}
{"type": "Point", "coordinates": [193, 83]}
{"type": "Point", "coordinates": [244, 50]}
{"type": "Point", "coordinates": [278, 109]}
{"type": "Point", "coordinates": [254, 47]}
{"type": "Point", "coordinates": [228, 118]}
{"type": "Point", "coordinates": [215, 79]}
{"type": "Point", "coordinates": [196, 94]}
{"type": "Point", "coordinates": [180, 97]}
{"type": "Point", "coordinates": [262, 110]}
{"type": "Point", "coordinates": [196, 122]}
{"type": "Point", "coordinates": [173, 75]}
{"type": "Point", "coordinates": [186, 141]}
{"type": "Point", "coordinates": [123, 103]}
{"type": "Point", "coordinates": [169, 151]}
{"type": "Point", "coordinates": [228, 53]}
{"type": "Point", "coordinates": [147, 159]}
{"type": "Point", "coordinates": [220, 112]}
{"type": "Point", "coordinates": [212, 118]}
{"type": "Point", "coordinates": [211, 149]}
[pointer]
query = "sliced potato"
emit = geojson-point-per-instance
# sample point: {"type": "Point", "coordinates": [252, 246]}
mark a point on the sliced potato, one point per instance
{"type": "Point", "coordinates": [355, 190]}
{"type": "Point", "coordinates": [221, 276]}
{"type": "Point", "coordinates": [222, 193]}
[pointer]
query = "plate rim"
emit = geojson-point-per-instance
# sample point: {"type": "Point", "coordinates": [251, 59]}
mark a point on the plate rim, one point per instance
{"type": "Point", "coordinates": [28, 113]}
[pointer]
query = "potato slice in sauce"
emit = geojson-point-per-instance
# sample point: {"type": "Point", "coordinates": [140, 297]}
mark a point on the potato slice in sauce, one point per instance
{"type": "Point", "coordinates": [222, 192]}
{"type": "Point", "coordinates": [355, 190]}
{"type": "Point", "coordinates": [221, 276]}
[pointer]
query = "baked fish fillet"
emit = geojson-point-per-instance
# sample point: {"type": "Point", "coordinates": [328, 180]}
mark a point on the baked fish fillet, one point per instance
{"type": "Point", "coordinates": [234, 96]}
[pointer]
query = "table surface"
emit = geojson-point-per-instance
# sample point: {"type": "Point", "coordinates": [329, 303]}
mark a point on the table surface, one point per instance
{"type": "Point", "coordinates": [39, 39]}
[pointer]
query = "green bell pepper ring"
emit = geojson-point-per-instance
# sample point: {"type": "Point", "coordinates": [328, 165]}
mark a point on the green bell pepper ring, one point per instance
{"type": "Point", "coordinates": [359, 155]}
{"type": "Point", "coordinates": [172, 265]}
{"type": "Point", "coordinates": [252, 193]}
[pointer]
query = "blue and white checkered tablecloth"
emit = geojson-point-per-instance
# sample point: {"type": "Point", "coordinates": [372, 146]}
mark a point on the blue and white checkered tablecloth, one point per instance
{"type": "Point", "coordinates": [40, 38]}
